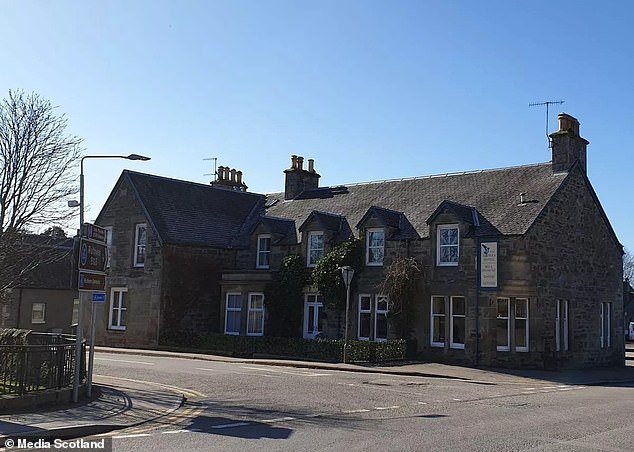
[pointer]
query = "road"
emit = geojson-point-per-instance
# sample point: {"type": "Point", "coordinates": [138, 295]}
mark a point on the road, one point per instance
{"type": "Point", "coordinates": [236, 406]}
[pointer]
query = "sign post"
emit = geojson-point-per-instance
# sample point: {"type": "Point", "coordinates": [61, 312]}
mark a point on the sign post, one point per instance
{"type": "Point", "coordinates": [93, 257]}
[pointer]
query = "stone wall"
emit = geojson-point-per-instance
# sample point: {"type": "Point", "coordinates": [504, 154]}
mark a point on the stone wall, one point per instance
{"type": "Point", "coordinates": [574, 257]}
{"type": "Point", "coordinates": [123, 213]}
{"type": "Point", "coordinates": [191, 296]}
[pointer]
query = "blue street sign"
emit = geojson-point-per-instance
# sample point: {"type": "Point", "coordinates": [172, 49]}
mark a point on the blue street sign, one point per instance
{"type": "Point", "coordinates": [99, 297]}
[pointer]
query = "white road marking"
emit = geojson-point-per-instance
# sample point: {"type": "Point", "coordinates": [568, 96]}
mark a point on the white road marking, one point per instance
{"type": "Point", "coordinates": [394, 407]}
{"type": "Point", "coordinates": [287, 372]}
{"type": "Point", "coordinates": [422, 403]}
{"type": "Point", "coordinates": [529, 389]}
{"type": "Point", "coordinates": [235, 424]}
{"type": "Point", "coordinates": [457, 400]}
{"type": "Point", "coordinates": [171, 432]}
{"type": "Point", "coordinates": [279, 419]}
{"type": "Point", "coordinates": [138, 435]}
{"type": "Point", "coordinates": [125, 361]}
{"type": "Point", "coordinates": [361, 410]}
{"type": "Point", "coordinates": [566, 389]}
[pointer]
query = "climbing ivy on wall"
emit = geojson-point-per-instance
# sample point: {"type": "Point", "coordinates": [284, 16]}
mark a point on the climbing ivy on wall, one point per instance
{"type": "Point", "coordinates": [284, 298]}
{"type": "Point", "coordinates": [326, 275]}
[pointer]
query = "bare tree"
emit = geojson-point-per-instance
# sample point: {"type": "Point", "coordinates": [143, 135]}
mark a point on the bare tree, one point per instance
{"type": "Point", "coordinates": [628, 266]}
{"type": "Point", "coordinates": [37, 175]}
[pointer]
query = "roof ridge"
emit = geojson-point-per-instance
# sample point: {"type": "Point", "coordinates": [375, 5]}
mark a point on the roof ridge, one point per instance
{"type": "Point", "coordinates": [430, 176]}
{"type": "Point", "coordinates": [188, 182]}
{"type": "Point", "coordinates": [439, 175]}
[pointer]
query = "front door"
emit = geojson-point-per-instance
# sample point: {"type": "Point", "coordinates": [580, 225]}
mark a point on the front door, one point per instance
{"type": "Point", "coordinates": [313, 307]}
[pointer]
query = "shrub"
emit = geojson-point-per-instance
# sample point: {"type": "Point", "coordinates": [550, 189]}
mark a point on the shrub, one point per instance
{"type": "Point", "coordinates": [327, 350]}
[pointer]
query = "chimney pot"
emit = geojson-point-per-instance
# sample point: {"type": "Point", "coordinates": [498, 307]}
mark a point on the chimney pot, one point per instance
{"type": "Point", "coordinates": [300, 163]}
{"type": "Point", "coordinates": [233, 175]}
{"type": "Point", "coordinates": [239, 177]}
{"type": "Point", "coordinates": [293, 162]}
{"type": "Point", "coordinates": [568, 123]}
{"type": "Point", "coordinates": [311, 165]}
{"type": "Point", "coordinates": [220, 173]}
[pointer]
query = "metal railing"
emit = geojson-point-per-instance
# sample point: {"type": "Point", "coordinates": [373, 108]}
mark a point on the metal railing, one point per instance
{"type": "Point", "coordinates": [47, 361]}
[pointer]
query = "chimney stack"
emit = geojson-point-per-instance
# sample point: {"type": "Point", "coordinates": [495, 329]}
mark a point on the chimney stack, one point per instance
{"type": "Point", "coordinates": [567, 145]}
{"type": "Point", "coordinates": [299, 180]}
{"type": "Point", "coordinates": [229, 178]}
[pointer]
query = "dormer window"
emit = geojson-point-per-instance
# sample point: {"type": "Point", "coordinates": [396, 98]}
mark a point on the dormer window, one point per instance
{"type": "Point", "coordinates": [264, 251]}
{"type": "Point", "coordinates": [315, 249]}
{"type": "Point", "coordinates": [375, 246]}
{"type": "Point", "coordinates": [447, 245]}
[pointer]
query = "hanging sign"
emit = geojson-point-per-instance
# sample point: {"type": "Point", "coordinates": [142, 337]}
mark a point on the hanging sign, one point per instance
{"type": "Point", "coordinates": [489, 265]}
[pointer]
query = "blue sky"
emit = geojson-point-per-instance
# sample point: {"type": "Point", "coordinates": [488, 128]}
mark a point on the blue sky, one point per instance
{"type": "Point", "coordinates": [371, 90]}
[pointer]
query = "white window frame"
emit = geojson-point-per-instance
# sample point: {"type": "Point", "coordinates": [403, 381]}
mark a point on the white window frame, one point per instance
{"type": "Point", "coordinates": [368, 247]}
{"type": "Point", "coordinates": [362, 311]}
{"type": "Point", "coordinates": [139, 246]}
{"type": "Point", "coordinates": [606, 324]}
{"type": "Point", "coordinates": [439, 245]}
{"type": "Point", "coordinates": [259, 327]}
{"type": "Point", "coordinates": [507, 347]}
{"type": "Point", "coordinates": [263, 254]}
{"type": "Point", "coordinates": [117, 295]}
{"type": "Point", "coordinates": [108, 245]}
{"type": "Point", "coordinates": [519, 348]}
{"type": "Point", "coordinates": [377, 312]}
{"type": "Point", "coordinates": [233, 309]}
{"type": "Point", "coordinates": [452, 344]}
{"type": "Point", "coordinates": [433, 315]}
{"type": "Point", "coordinates": [38, 316]}
{"type": "Point", "coordinates": [319, 251]}
{"type": "Point", "coordinates": [315, 301]}
{"type": "Point", "coordinates": [561, 325]}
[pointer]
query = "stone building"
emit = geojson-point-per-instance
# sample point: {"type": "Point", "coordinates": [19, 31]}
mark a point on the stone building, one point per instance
{"type": "Point", "coordinates": [521, 267]}
{"type": "Point", "coordinates": [42, 294]}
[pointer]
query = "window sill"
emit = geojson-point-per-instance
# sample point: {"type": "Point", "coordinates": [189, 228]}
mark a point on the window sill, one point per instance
{"type": "Point", "coordinates": [446, 264]}
{"type": "Point", "coordinates": [228, 333]}
{"type": "Point", "coordinates": [457, 346]}
{"type": "Point", "coordinates": [38, 322]}
{"type": "Point", "coordinates": [438, 344]}
{"type": "Point", "coordinates": [117, 328]}
{"type": "Point", "coordinates": [374, 264]}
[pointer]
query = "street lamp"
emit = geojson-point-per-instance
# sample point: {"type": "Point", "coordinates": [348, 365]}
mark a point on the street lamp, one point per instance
{"type": "Point", "coordinates": [347, 273]}
{"type": "Point", "coordinates": [79, 333]}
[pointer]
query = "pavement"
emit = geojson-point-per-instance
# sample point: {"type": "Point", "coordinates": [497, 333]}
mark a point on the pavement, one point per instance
{"type": "Point", "coordinates": [122, 403]}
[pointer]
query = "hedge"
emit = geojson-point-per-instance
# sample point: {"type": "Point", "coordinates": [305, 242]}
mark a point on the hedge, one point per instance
{"type": "Point", "coordinates": [328, 350]}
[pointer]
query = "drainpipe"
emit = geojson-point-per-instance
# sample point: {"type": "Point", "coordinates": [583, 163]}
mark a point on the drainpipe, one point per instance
{"type": "Point", "coordinates": [17, 323]}
{"type": "Point", "coordinates": [477, 313]}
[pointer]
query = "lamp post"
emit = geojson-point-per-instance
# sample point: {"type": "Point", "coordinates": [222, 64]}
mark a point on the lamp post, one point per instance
{"type": "Point", "coordinates": [79, 333]}
{"type": "Point", "coordinates": [347, 273]}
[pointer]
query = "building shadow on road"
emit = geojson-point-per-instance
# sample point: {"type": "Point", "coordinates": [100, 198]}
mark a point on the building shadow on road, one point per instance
{"type": "Point", "coordinates": [216, 425]}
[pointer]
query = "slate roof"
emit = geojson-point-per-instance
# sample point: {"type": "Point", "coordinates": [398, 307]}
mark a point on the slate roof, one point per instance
{"type": "Point", "coordinates": [188, 213]}
{"type": "Point", "coordinates": [54, 258]}
{"type": "Point", "coordinates": [493, 193]}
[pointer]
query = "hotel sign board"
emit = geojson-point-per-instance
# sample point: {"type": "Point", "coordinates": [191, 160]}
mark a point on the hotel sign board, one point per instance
{"type": "Point", "coordinates": [489, 265]}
